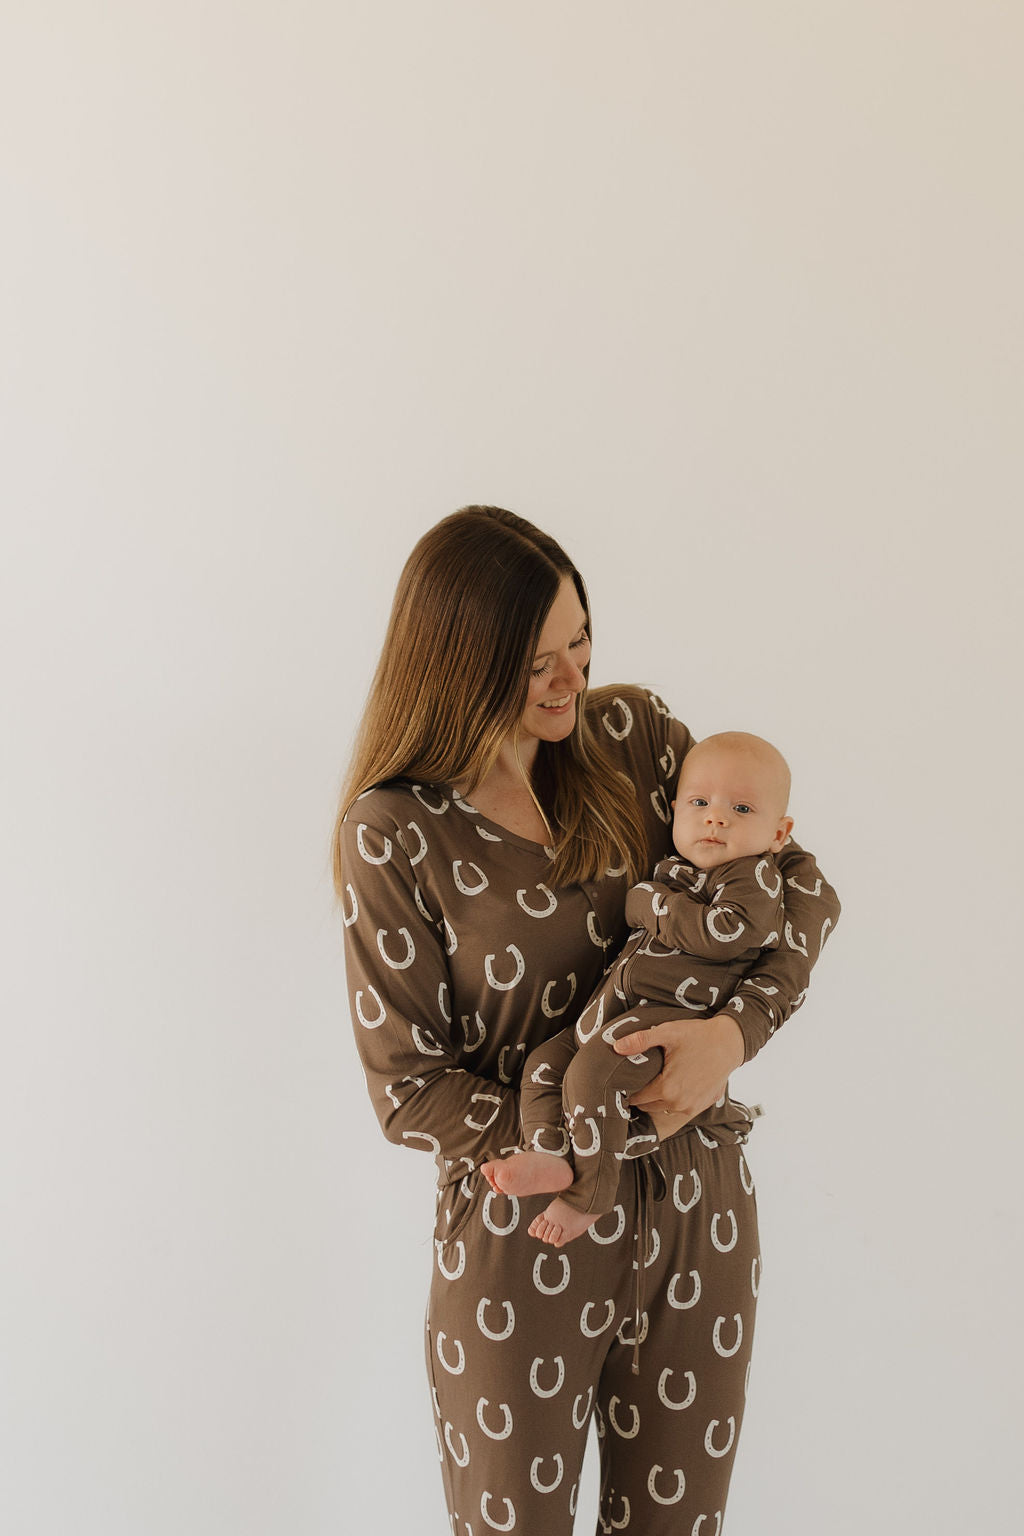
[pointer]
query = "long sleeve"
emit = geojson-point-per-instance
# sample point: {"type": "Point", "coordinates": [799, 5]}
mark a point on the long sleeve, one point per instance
{"type": "Point", "coordinates": [719, 915]}
{"type": "Point", "coordinates": [777, 984]}
{"type": "Point", "coordinates": [401, 999]}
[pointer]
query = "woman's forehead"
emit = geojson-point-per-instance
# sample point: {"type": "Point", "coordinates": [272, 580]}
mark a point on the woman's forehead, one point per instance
{"type": "Point", "coordinates": [565, 619]}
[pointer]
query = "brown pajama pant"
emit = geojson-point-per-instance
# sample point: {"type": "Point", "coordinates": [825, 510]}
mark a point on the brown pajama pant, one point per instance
{"type": "Point", "coordinates": [646, 1322]}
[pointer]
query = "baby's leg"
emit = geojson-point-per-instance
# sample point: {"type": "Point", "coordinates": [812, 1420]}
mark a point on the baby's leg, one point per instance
{"type": "Point", "coordinates": [543, 1167]}
{"type": "Point", "coordinates": [601, 1124]}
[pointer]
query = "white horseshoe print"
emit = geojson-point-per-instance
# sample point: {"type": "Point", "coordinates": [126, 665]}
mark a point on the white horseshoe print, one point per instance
{"type": "Point", "coordinates": [460, 1461]}
{"type": "Point", "coordinates": [540, 1391]}
{"type": "Point", "coordinates": [709, 1437]}
{"type": "Point", "coordinates": [593, 933]}
{"type": "Point", "coordinates": [442, 993]}
{"type": "Point", "coordinates": [620, 1226]}
{"type": "Point", "coordinates": [469, 890]}
{"type": "Point", "coordinates": [520, 964]}
{"type": "Point", "coordinates": [680, 995]}
{"type": "Point", "coordinates": [707, 1141]}
{"type": "Point", "coordinates": [481, 1031]}
{"type": "Point", "coordinates": [435, 810]}
{"type": "Point", "coordinates": [551, 901]}
{"type": "Point", "coordinates": [453, 1370]}
{"type": "Point", "coordinates": [746, 1178]}
{"type": "Point", "coordinates": [545, 1006]}
{"type": "Point", "coordinates": [431, 1141]}
{"type": "Point", "coordinates": [415, 858]}
{"type": "Point", "coordinates": [624, 1338]}
{"type": "Point", "coordinates": [410, 949]}
{"type": "Point", "coordinates": [673, 1498]}
{"type": "Point", "coordinates": [716, 1336]}
{"type": "Point", "coordinates": [663, 1390]}
{"type": "Point", "coordinates": [451, 938]}
{"type": "Point", "coordinates": [595, 1139]}
{"type": "Point", "coordinates": [667, 761]}
{"type": "Point", "coordinates": [483, 1098]}
{"type": "Point", "coordinates": [681, 1306]}
{"type": "Point", "coordinates": [486, 1214]}
{"type": "Point", "coordinates": [503, 1071]}
{"type": "Point", "coordinates": [755, 1274]}
{"type": "Point", "coordinates": [460, 1262]}
{"type": "Point", "coordinates": [794, 885]}
{"type": "Point", "coordinates": [578, 1423]}
{"type": "Point", "coordinates": [583, 1035]}
{"type": "Point", "coordinates": [746, 1380]}
{"type": "Point", "coordinates": [572, 1498]}
{"type": "Point", "coordinates": [655, 1249]}
{"type": "Point", "coordinates": [494, 1434]}
{"type": "Point", "coordinates": [351, 917]}
{"type": "Point", "coordinates": [659, 800]}
{"type": "Point", "coordinates": [389, 1089]}
{"type": "Point", "coordinates": [538, 1265]}
{"type": "Point", "coordinates": [361, 1016]}
{"type": "Point", "coordinates": [695, 1528]}
{"type": "Point", "coordinates": [686, 1205]}
{"type": "Point", "coordinates": [711, 917]}
{"type": "Point", "coordinates": [371, 858]}
{"type": "Point", "coordinates": [731, 1244]}
{"type": "Point", "coordinates": [624, 1434]}
{"type": "Point", "coordinates": [627, 721]}
{"type": "Point", "coordinates": [826, 925]}
{"type": "Point", "coordinates": [608, 1521]}
{"type": "Point", "coordinates": [535, 1466]}
{"type": "Point", "coordinates": [496, 1525]}
{"type": "Point", "coordinates": [440, 1447]}
{"type": "Point", "coordinates": [594, 1333]}
{"type": "Point", "coordinates": [799, 944]}
{"type": "Point", "coordinates": [425, 1042]}
{"type": "Point", "coordinates": [510, 1320]}
{"type": "Point", "coordinates": [759, 875]}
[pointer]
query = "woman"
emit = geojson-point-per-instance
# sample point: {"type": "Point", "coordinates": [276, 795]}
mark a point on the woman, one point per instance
{"type": "Point", "coordinates": [493, 821]}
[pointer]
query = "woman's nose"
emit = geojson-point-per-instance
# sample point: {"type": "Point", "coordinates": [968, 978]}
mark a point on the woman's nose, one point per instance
{"type": "Point", "coordinates": [570, 675]}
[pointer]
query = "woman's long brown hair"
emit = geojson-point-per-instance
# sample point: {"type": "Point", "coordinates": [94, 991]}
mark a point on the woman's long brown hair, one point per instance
{"type": "Point", "coordinates": [452, 684]}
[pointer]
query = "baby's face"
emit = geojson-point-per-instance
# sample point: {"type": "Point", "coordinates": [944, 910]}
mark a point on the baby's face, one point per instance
{"type": "Point", "coordinates": [729, 804]}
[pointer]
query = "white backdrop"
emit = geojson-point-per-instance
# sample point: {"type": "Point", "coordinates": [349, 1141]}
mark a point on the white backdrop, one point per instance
{"type": "Point", "coordinates": [727, 298]}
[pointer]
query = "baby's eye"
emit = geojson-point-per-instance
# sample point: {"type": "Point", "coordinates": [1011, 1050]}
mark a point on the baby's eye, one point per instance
{"type": "Point", "coordinates": [698, 800]}
{"type": "Point", "coordinates": [742, 810]}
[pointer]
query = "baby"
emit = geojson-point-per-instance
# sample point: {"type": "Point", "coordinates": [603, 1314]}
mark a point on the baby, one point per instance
{"type": "Point", "coordinates": [697, 926]}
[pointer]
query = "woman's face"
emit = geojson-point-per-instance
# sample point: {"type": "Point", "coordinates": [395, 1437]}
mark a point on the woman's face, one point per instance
{"type": "Point", "coordinates": [556, 676]}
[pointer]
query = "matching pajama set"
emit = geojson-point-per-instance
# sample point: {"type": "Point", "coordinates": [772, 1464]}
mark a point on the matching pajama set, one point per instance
{"type": "Point", "coordinates": [461, 959]}
{"type": "Point", "coordinates": [695, 936]}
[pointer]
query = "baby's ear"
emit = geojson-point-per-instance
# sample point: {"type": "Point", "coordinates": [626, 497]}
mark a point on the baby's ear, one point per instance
{"type": "Point", "coordinates": [778, 842]}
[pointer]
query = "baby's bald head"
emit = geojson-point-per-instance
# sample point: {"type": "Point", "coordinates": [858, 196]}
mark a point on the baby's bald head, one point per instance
{"type": "Point", "coordinates": [731, 800]}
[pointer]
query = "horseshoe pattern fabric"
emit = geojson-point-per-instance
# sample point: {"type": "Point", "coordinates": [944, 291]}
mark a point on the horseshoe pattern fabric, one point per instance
{"type": "Point", "coordinates": [460, 958]}
{"type": "Point", "coordinates": [695, 935]}
{"type": "Point", "coordinates": [525, 1343]}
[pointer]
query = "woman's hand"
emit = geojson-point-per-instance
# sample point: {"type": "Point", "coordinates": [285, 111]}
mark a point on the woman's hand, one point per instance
{"type": "Point", "coordinates": [699, 1055]}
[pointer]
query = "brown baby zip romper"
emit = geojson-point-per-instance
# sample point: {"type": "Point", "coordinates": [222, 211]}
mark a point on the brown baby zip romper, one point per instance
{"type": "Point", "coordinates": [696, 935]}
{"type": "Point", "coordinates": [461, 958]}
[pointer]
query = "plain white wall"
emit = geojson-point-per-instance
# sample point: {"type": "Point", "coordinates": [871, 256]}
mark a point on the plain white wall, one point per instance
{"type": "Point", "coordinates": [727, 297]}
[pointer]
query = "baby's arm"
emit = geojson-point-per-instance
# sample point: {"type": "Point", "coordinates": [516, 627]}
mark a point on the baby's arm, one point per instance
{"type": "Point", "coordinates": [728, 910]}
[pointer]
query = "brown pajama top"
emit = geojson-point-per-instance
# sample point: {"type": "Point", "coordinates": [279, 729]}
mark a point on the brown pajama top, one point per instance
{"type": "Point", "coordinates": [696, 934]}
{"type": "Point", "coordinates": [461, 958]}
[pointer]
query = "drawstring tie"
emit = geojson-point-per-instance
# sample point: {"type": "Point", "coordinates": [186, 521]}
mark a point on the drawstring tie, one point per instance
{"type": "Point", "coordinates": [649, 1177]}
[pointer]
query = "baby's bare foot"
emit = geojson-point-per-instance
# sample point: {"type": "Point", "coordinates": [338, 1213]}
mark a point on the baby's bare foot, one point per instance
{"type": "Point", "coordinates": [559, 1224]}
{"type": "Point", "coordinates": [528, 1173]}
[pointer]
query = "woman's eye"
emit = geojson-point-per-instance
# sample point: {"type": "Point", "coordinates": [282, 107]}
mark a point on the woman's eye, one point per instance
{"type": "Point", "coordinates": [584, 639]}
{"type": "Point", "coordinates": [540, 671]}
{"type": "Point", "coordinates": [742, 810]}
